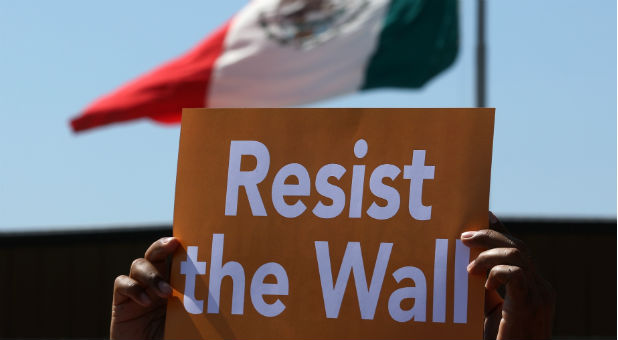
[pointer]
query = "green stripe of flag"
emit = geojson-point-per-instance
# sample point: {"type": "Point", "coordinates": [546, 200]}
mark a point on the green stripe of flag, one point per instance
{"type": "Point", "coordinates": [419, 39]}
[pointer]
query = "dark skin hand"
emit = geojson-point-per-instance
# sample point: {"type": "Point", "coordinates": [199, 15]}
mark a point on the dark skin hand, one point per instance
{"type": "Point", "coordinates": [140, 299]}
{"type": "Point", "coordinates": [525, 312]}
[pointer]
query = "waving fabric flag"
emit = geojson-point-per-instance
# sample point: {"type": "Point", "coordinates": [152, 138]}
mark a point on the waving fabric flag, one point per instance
{"type": "Point", "coordinates": [277, 53]}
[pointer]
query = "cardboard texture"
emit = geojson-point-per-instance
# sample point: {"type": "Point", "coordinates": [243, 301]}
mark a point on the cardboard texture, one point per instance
{"type": "Point", "coordinates": [396, 251]}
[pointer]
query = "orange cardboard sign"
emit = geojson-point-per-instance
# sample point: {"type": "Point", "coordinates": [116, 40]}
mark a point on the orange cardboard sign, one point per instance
{"type": "Point", "coordinates": [329, 223]}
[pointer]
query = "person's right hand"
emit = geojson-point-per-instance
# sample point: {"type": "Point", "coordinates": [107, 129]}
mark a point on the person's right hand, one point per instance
{"type": "Point", "coordinates": [140, 299]}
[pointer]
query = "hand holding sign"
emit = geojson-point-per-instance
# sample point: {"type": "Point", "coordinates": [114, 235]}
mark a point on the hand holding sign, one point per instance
{"type": "Point", "coordinates": [528, 306]}
{"type": "Point", "coordinates": [140, 299]}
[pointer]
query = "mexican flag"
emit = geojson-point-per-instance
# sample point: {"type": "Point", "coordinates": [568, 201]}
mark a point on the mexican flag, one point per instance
{"type": "Point", "coordinates": [277, 53]}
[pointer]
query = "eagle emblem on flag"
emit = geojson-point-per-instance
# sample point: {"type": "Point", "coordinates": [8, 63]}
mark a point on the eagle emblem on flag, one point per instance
{"type": "Point", "coordinates": [305, 24]}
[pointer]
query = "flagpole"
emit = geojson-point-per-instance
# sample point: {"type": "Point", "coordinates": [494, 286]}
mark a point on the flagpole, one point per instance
{"type": "Point", "coordinates": [480, 55]}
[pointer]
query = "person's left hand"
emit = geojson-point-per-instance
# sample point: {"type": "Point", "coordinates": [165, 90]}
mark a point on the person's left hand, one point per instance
{"type": "Point", "coordinates": [526, 312]}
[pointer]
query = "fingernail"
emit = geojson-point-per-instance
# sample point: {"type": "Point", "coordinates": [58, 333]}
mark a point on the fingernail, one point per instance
{"type": "Point", "coordinates": [166, 240]}
{"type": "Point", "coordinates": [470, 266]}
{"type": "Point", "coordinates": [145, 298]}
{"type": "Point", "coordinates": [165, 288]}
{"type": "Point", "coordinates": [468, 234]}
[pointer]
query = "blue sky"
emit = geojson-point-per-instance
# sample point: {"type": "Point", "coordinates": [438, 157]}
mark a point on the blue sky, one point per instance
{"type": "Point", "coordinates": [552, 79]}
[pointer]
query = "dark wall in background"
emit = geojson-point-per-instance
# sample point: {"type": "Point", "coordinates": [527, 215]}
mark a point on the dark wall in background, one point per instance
{"type": "Point", "coordinates": [59, 285]}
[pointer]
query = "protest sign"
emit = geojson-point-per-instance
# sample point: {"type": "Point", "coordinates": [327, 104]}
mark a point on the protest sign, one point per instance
{"type": "Point", "coordinates": [329, 223]}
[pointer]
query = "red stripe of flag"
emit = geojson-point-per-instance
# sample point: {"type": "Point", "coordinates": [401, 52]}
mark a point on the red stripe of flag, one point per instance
{"type": "Point", "coordinates": [162, 93]}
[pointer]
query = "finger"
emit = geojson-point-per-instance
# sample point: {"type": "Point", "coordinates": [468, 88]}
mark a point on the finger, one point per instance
{"type": "Point", "coordinates": [493, 301]}
{"type": "Point", "coordinates": [511, 276]}
{"type": "Point", "coordinates": [159, 251]}
{"type": "Point", "coordinates": [493, 314]}
{"type": "Point", "coordinates": [127, 288]}
{"type": "Point", "coordinates": [147, 275]}
{"type": "Point", "coordinates": [488, 239]}
{"type": "Point", "coordinates": [496, 256]}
